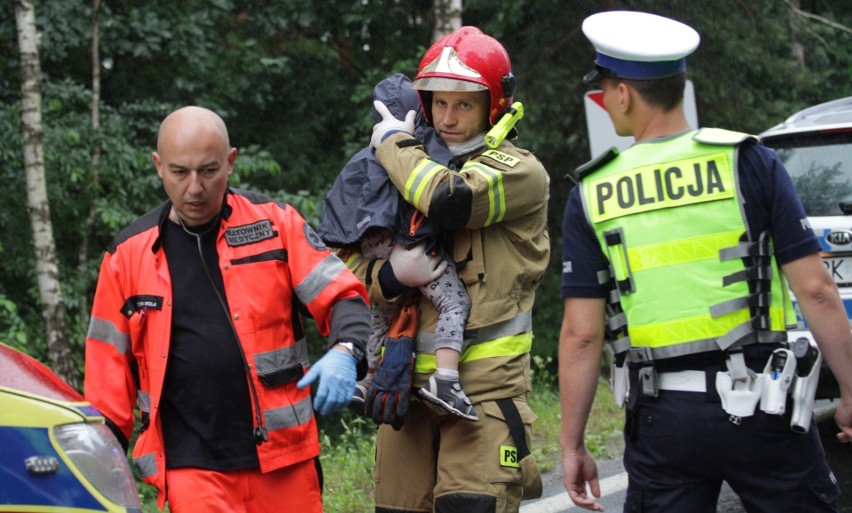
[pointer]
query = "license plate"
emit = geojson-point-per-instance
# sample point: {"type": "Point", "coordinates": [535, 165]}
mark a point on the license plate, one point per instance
{"type": "Point", "coordinates": [840, 269]}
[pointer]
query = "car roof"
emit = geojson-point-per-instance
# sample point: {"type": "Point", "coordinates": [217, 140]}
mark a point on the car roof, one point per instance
{"type": "Point", "coordinates": [22, 372]}
{"type": "Point", "coordinates": [835, 114]}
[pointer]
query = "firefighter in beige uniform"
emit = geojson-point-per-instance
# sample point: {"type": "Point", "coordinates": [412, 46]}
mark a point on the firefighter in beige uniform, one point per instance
{"type": "Point", "coordinates": [494, 203]}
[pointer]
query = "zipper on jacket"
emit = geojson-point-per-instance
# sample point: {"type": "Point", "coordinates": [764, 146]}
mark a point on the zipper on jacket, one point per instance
{"type": "Point", "coordinates": [417, 219]}
{"type": "Point", "coordinates": [260, 434]}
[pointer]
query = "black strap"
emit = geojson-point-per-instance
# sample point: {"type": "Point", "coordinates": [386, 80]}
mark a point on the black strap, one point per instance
{"type": "Point", "coordinates": [516, 425]}
{"type": "Point", "coordinates": [369, 278]}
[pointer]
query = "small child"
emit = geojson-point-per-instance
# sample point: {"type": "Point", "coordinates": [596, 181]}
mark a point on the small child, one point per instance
{"type": "Point", "coordinates": [364, 210]}
{"type": "Point", "coordinates": [450, 298]}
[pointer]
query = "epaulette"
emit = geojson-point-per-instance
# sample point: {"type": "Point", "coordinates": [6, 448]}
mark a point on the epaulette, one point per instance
{"type": "Point", "coordinates": [720, 136]}
{"type": "Point", "coordinates": [594, 164]}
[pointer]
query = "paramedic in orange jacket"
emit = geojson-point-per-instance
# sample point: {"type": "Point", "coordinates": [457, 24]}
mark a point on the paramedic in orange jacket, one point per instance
{"type": "Point", "coordinates": [196, 322]}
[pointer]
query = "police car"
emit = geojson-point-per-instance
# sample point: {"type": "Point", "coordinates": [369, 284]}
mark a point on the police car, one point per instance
{"type": "Point", "coordinates": [56, 453]}
{"type": "Point", "coordinates": [815, 145]}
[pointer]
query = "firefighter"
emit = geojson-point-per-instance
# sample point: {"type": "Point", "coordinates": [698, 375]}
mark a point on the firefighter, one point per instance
{"type": "Point", "coordinates": [685, 244]}
{"type": "Point", "coordinates": [364, 210]}
{"type": "Point", "coordinates": [196, 322]}
{"type": "Point", "coordinates": [493, 202]}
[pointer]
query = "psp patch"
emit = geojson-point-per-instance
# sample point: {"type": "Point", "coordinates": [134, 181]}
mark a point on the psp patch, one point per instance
{"type": "Point", "coordinates": [499, 156]}
{"type": "Point", "coordinates": [509, 456]}
{"type": "Point", "coordinates": [313, 239]}
{"type": "Point", "coordinates": [250, 233]}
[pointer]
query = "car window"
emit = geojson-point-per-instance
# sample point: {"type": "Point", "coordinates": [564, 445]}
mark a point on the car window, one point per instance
{"type": "Point", "coordinates": [821, 169]}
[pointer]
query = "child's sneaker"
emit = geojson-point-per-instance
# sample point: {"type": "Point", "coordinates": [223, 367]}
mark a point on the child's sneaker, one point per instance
{"type": "Point", "coordinates": [448, 394]}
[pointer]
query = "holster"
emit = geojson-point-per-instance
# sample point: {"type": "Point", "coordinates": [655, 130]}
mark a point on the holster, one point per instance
{"type": "Point", "coordinates": [641, 376]}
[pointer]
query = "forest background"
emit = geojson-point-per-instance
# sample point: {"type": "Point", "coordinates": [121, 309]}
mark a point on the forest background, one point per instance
{"type": "Point", "coordinates": [293, 81]}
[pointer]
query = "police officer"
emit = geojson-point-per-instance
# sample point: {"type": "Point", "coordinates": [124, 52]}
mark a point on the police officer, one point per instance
{"type": "Point", "coordinates": [493, 201]}
{"type": "Point", "coordinates": [682, 243]}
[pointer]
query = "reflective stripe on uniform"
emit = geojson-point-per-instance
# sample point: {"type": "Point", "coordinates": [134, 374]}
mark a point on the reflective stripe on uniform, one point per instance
{"type": "Point", "coordinates": [496, 193]}
{"type": "Point", "coordinates": [288, 416]}
{"type": "Point", "coordinates": [146, 465]}
{"type": "Point", "coordinates": [512, 345]}
{"type": "Point", "coordinates": [520, 323]}
{"type": "Point", "coordinates": [143, 401]}
{"type": "Point", "coordinates": [281, 358]}
{"type": "Point", "coordinates": [353, 259]}
{"type": "Point", "coordinates": [319, 279]}
{"type": "Point", "coordinates": [105, 331]}
{"type": "Point", "coordinates": [680, 251]}
{"type": "Point", "coordinates": [419, 178]}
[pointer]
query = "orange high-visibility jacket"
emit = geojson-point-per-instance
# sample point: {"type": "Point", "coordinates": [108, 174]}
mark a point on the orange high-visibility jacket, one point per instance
{"type": "Point", "coordinates": [269, 257]}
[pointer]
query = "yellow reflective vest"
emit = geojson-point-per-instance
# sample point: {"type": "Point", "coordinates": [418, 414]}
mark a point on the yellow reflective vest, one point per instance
{"type": "Point", "coordinates": [686, 277]}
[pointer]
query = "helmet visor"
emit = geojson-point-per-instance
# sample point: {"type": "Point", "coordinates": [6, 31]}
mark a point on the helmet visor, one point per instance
{"type": "Point", "coordinates": [445, 84]}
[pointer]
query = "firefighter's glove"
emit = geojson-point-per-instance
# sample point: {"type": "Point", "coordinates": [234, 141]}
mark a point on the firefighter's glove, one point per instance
{"type": "Point", "coordinates": [389, 124]}
{"type": "Point", "coordinates": [336, 371]}
{"type": "Point", "coordinates": [387, 397]}
{"type": "Point", "coordinates": [414, 266]}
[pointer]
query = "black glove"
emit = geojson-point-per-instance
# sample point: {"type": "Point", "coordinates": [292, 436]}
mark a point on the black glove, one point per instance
{"type": "Point", "coordinates": [388, 395]}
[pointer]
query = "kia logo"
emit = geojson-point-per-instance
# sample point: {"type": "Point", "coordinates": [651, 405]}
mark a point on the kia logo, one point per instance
{"type": "Point", "coordinates": [839, 238]}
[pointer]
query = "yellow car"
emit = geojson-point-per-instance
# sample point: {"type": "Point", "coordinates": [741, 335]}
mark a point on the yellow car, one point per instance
{"type": "Point", "coordinates": [56, 453]}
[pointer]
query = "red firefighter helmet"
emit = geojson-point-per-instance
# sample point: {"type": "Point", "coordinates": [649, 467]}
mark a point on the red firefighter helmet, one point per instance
{"type": "Point", "coordinates": [466, 60]}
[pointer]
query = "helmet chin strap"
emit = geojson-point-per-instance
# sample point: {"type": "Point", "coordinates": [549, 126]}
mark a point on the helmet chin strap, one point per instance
{"type": "Point", "coordinates": [466, 147]}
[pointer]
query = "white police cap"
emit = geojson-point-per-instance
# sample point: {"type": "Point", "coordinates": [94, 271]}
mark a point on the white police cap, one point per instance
{"type": "Point", "coordinates": [638, 45]}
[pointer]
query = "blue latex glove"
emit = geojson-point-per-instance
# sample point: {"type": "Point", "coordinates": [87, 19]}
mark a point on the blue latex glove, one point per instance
{"type": "Point", "coordinates": [387, 398]}
{"type": "Point", "coordinates": [336, 371]}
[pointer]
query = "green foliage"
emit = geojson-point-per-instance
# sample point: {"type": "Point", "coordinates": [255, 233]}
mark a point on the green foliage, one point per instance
{"type": "Point", "coordinates": [148, 497]}
{"type": "Point", "coordinates": [544, 401]}
{"type": "Point", "coordinates": [127, 186]}
{"type": "Point", "coordinates": [281, 72]}
{"type": "Point", "coordinates": [347, 461]}
{"type": "Point", "coordinates": [605, 425]}
{"type": "Point", "coordinates": [603, 429]}
{"type": "Point", "coordinates": [14, 330]}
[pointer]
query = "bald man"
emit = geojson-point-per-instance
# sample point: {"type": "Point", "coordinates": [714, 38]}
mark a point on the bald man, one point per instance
{"type": "Point", "coordinates": [195, 323]}
{"type": "Point", "coordinates": [194, 138]}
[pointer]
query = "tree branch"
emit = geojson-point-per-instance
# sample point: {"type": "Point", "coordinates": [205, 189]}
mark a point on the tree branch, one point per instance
{"type": "Point", "coordinates": [816, 17]}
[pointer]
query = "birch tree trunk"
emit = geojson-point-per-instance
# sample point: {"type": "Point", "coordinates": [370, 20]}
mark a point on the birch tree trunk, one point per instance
{"type": "Point", "coordinates": [448, 17]}
{"type": "Point", "coordinates": [47, 269]}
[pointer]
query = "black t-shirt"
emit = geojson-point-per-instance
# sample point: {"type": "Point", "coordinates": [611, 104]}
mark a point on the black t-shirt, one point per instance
{"type": "Point", "coordinates": [205, 408]}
